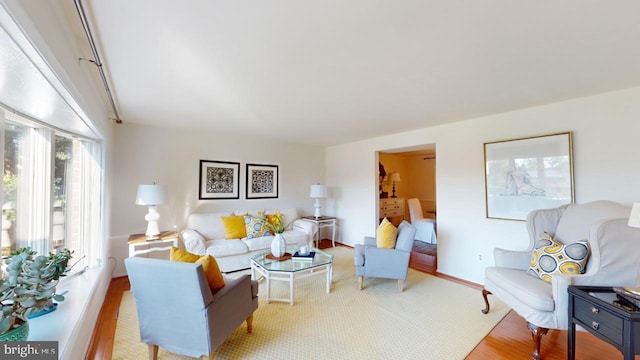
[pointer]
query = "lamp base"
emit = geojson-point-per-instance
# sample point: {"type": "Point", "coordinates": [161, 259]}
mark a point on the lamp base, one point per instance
{"type": "Point", "coordinates": [152, 218]}
{"type": "Point", "coordinates": [318, 206]}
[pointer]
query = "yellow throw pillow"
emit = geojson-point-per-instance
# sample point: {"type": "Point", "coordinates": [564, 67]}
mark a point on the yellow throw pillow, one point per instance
{"type": "Point", "coordinates": [234, 227]}
{"type": "Point", "coordinates": [386, 235]}
{"type": "Point", "coordinates": [209, 266]}
{"type": "Point", "coordinates": [550, 257]}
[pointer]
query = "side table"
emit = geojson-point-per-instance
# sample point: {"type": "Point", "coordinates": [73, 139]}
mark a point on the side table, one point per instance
{"type": "Point", "coordinates": [322, 222]}
{"type": "Point", "coordinates": [141, 240]}
{"type": "Point", "coordinates": [594, 309]}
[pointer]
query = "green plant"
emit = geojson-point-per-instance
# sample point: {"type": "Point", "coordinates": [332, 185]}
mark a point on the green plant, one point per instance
{"type": "Point", "coordinates": [29, 284]}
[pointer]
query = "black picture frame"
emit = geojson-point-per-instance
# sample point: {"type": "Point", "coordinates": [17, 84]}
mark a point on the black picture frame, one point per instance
{"type": "Point", "coordinates": [262, 181]}
{"type": "Point", "coordinates": [219, 180]}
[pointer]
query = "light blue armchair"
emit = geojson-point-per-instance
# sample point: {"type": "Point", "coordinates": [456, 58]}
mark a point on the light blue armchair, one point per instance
{"type": "Point", "coordinates": [178, 312]}
{"type": "Point", "coordinates": [371, 261]}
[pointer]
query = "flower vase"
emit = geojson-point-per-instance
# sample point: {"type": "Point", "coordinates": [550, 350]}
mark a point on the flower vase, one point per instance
{"type": "Point", "coordinates": [278, 247]}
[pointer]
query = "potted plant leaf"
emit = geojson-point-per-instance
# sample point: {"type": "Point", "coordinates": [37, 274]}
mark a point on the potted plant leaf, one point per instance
{"type": "Point", "coordinates": [28, 286]}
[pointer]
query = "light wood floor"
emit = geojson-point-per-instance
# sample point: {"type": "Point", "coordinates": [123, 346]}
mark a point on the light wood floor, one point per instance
{"type": "Point", "coordinates": [510, 339]}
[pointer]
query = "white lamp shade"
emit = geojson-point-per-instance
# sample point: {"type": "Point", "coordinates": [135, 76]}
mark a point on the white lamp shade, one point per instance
{"type": "Point", "coordinates": [634, 218]}
{"type": "Point", "coordinates": [318, 191]}
{"type": "Point", "coordinates": [151, 195]}
{"type": "Point", "coordinates": [394, 177]}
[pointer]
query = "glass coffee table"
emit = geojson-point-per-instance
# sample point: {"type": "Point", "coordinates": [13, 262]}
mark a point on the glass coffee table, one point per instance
{"type": "Point", "coordinates": [291, 269]}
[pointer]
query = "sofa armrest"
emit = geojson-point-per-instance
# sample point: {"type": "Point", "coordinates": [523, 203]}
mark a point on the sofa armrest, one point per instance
{"type": "Point", "coordinates": [369, 241]}
{"type": "Point", "coordinates": [307, 227]}
{"type": "Point", "coordinates": [193, 242]}
{"type": "Point", "coordinates": [512, 259]}
{"type": "Point", "coordinates": [241, 284]}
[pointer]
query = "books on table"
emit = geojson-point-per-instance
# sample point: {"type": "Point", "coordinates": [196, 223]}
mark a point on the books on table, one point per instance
{"type": "Point", "coordinates": [630, 295]}
{"type": "Point", "coordinates": [300, 257]}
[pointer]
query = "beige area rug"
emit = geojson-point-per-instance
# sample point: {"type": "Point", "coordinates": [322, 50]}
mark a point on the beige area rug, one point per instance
{"type": "Point", "coordinates": [432, 319]}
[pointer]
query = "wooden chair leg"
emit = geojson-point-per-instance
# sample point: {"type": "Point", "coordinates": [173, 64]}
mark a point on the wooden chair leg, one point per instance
{"type": "Point", "coordinates": [536, 333]}
{"type": "Point", "coordinates": [486, 301]}
{"type": "Point", "coordinates": [153, 352]}
{"type": "Point", "coordinates": [360, 282]}
{"type": "Point", "coordinates": [250, 324]}
{"type": "Point", "coordinates": [400, 285]}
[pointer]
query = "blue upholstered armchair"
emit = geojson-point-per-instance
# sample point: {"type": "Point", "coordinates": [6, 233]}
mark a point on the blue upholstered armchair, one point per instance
{"type": "Point", "coordinates": [372, 261]}
{"type": "Point", "coordinates": [178, 312]}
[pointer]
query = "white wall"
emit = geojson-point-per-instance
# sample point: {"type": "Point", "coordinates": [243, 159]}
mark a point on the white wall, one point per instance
{"type": "Point", "coordinates": [171, 157]}
{"type": "Point", "coordinates": [606, 129]}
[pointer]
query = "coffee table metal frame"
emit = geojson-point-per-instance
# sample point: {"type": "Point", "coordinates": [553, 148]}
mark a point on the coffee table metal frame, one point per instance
{"type": "Point", "coordinates": [291, 270]}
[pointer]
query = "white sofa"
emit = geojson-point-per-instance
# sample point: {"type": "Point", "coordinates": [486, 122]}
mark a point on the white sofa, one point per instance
{"type": "Point", "coordinates": [205, 234]}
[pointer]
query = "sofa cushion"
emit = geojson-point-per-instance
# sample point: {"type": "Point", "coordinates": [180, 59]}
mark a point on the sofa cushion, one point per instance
{"type": "Point", "coordinates": [531, 291]}
{"type": "Point", "coordinates": [550, 257]}
{"type": "Point", "coordinates": [234, 227]}
{"type": "Point", "coordinates": [209, 266]}
{"type": "Point", "coordinates": [386, 235]}
{"type": "Point", "coordinates": [209, 225]}
{"type": "Point", "coordinates": [291, 237]}
{"type": "Point", "coordinates": [222, 247]}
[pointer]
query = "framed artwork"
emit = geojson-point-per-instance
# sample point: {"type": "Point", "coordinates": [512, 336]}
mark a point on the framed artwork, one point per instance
{"type": "Point", "coordinates": [219, 180]}
{"type": "Point", "coordinates": [262, 181]}
{"type": "Point", "coordinates": [527, 174]}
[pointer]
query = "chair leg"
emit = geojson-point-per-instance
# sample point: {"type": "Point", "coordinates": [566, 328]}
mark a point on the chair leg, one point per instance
{"type": "Point", "coordinates": [153, 352]}
{"type": "Point", "coordinates": [360, 282]}
{"type": "Point", "coordinates": [536, 333]}
{"type": "Point", "coordinates": [486, 301]}
{"type": "Point", "coordinates": [400, 285]}
{"type": "Point", "coordinates": [250, 324]}
{"type": "Point", "coordinates": [207, 357]}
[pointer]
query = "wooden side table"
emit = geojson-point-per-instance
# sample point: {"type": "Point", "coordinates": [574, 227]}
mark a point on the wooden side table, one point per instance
{"type": "Point", "coordinates": [322, 222]}
{"type": "Point", "coordinates": [593, 308]}
{"type": "Point", "coordinates": [170, 238]}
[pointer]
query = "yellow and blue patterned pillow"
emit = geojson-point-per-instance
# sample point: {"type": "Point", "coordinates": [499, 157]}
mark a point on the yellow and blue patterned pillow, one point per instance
{"type": "Point", "coordinates": [254, 226]}
{"type": "Point", "coordinates": [551, 257]}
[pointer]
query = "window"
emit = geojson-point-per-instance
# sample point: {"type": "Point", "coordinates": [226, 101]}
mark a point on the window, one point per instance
{"type": "Point", "coordinates": [52, 160]}
{"type": "Point", "coordinates": [14, 136]}
{"type": "Point", "coordinates": [51, 191]}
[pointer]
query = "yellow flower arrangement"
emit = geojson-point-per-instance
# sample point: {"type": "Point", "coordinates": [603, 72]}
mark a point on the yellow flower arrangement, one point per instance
{"type": "Point", "coordinates": [275, 223]}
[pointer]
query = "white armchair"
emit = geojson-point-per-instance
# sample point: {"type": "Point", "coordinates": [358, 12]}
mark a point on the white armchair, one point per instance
{"type": "Point", "coordinates": [613, 262]}
{"type": "Point", "coordinates": [425, 228]}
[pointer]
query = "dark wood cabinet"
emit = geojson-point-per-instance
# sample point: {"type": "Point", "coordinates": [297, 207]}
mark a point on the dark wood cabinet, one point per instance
{"type": "Point", "coordinates": [595, 309]}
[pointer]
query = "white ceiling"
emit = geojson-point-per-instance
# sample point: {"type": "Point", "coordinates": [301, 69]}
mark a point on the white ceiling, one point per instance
{"type": "Point", "coordinates": [330, 72]}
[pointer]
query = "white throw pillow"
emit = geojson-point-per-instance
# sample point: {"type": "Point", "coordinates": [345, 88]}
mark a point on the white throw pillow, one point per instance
{"type": "Point", "coordinates": [194, 242]}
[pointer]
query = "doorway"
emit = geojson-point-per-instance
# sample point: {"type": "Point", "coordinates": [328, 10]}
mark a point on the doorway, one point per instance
{"type": "Point", "coordinates": [406, 174]}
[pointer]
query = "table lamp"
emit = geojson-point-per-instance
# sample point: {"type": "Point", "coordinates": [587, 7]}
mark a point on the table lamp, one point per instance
{"type": "Point", "coordinates": [318, 192]}
{"type": "Point", "coordinates": [152, 196]}
{"type": "Point", "coordinates": [394, 178]}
